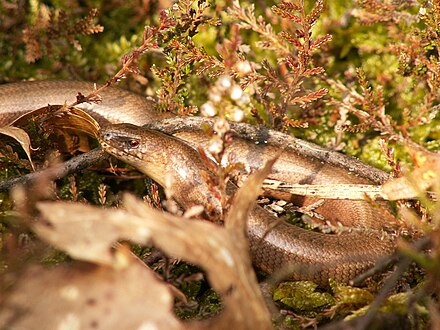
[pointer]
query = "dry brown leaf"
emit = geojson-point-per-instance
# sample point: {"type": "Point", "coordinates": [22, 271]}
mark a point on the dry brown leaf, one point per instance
{"type": "Point", "coordinates": [75, 120]}
{"type": "Point", "coordinates": [222, 252]}
{"type": "Point", "coordinates": [73, 127]}
{"type": "Point", "coordinates": [96, 230]}
{"type": "Point", "coordinates": [86, 296]}
{"type": "Point", "coordinates": [62, 117]}
{"type": "Point", "coordinates": [415, 183]}
{"type": "Point", "coordinates": [88, 233]}
{"type": "Point", "coordinates": [21, 137]}
{"type": "Point", "coordinates": [223, 255]}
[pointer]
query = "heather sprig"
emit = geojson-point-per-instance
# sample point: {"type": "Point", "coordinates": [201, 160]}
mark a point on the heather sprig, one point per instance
{"type": "Point", "coordinates": [177, 27]}
{"type": "Point", "coordinates": [281, 88]}
{"type": "Point", "coordinates": [401, 103]}
{"type": "Point", "coordinates": [56, 27]}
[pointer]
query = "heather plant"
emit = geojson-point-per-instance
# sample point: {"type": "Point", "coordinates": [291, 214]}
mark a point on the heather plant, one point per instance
{"type": "Point", "coordinates": [400, 101]}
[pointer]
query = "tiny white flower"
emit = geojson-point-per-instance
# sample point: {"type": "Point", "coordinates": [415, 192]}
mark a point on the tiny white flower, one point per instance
{"type": "Point", "coordinates": [244, 67]}
{"type": "Point", "coordinates": [271, 95]}
{"type": "Point", "coordinates": [237, 115]}
{"type": "Point", "coordinates": [215, 97]}
{"type": "Point", "coordinates": [208, 110]}
{"type": "Point", "coordinates": [224, 82]}
{"type": "Point", "coordinates": [215, 146]}
{"type": "Point", "coordinates": [236, 92]}
{"type": "Point", "coordinates": [244, 99]}
{"type": "Point", "coordinates": [221, 126]}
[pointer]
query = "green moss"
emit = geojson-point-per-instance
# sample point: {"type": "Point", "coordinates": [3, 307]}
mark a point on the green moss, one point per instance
{"type": "Point", "coordinates": [347, 295]}
{"type": "Point", "coordinates": [370, 153]}
{"type": "Point", "coordinates": [302, 296]}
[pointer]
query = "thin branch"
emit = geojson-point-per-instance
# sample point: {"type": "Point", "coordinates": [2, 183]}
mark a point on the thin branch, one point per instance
{"type": "Point", "coordinates": [263, 135]}
{"type": "Point", "coordinates": [58, 171]}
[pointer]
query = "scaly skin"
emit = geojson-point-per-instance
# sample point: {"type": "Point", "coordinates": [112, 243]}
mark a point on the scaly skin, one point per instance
{"type": "Point", "coordinates": [171, 161]}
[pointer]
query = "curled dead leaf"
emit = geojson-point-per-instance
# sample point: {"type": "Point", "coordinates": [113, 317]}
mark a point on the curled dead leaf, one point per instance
{"type": "Point", "coordinates": [21, 137]}
{"type": "Point", "coordinates": [75, 119]}
{"type": "Point", "coordinates": [70, 125]}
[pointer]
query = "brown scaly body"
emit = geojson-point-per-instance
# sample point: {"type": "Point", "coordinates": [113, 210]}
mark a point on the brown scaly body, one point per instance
{"type": "Point", "coordinates": [320, 256]}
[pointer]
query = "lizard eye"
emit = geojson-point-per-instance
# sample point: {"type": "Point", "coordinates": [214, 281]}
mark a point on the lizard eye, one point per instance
{"type": "Point", "coordinates": [133, 143]}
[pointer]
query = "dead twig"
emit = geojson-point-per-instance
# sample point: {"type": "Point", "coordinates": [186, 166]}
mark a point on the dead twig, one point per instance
{"type": "Point", "coordinates": [58, 171]}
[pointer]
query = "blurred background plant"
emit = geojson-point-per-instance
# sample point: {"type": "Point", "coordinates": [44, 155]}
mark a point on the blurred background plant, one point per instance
{"type": "Point", "coordinates": [332, 67]}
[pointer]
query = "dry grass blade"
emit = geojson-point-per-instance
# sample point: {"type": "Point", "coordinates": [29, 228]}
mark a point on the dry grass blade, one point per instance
{"type": "Point", "coordinates": [415, 182]}
{"type": "Point", "coordinates": [330, 191]}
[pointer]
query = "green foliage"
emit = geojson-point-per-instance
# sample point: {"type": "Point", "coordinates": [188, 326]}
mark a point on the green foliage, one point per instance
{"type": "Point", "coordinates": [202, 301]}
{"type": "Point", "coordinates": [286, 48]}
